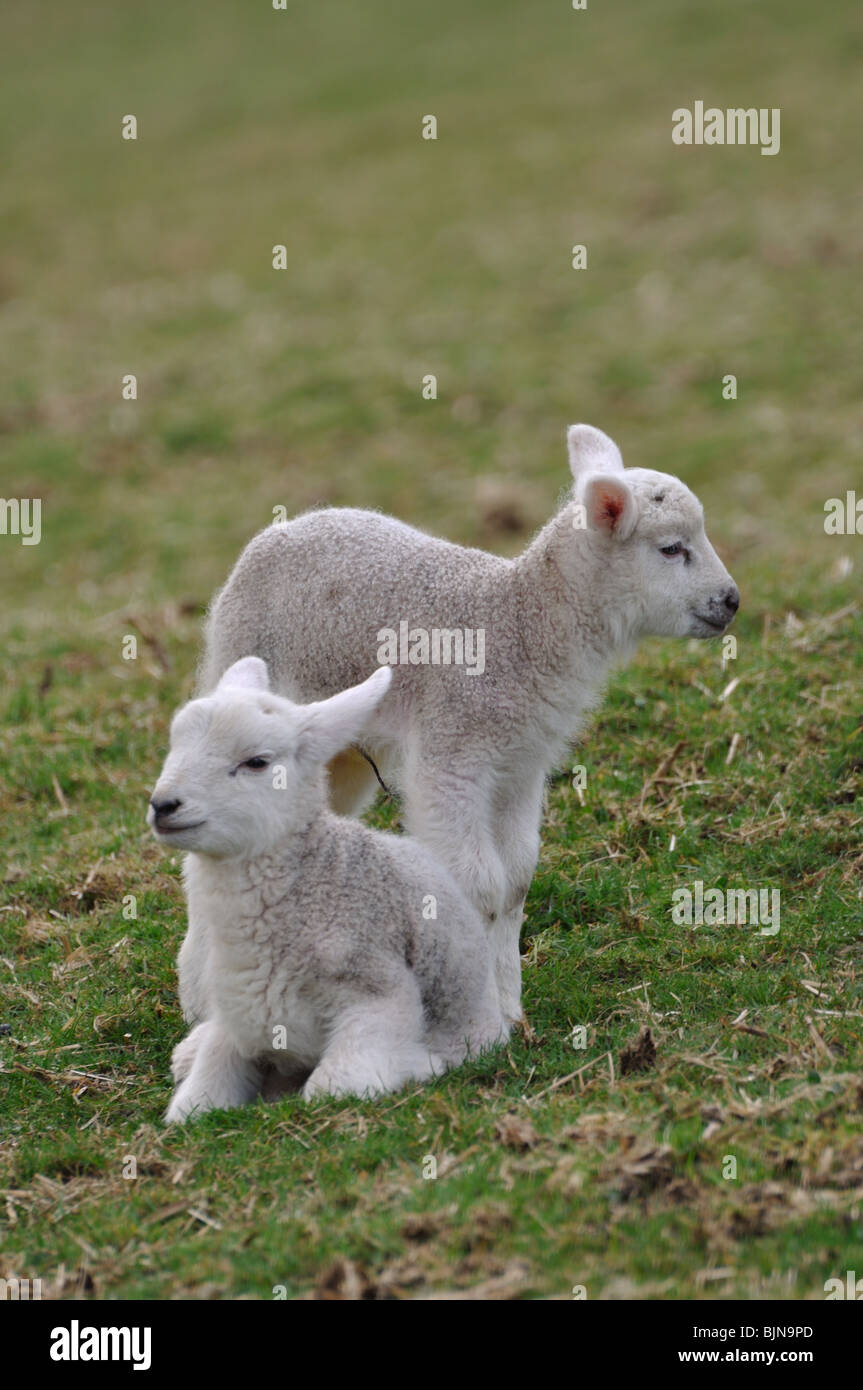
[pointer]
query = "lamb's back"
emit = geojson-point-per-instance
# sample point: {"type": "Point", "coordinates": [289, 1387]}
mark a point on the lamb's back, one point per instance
{"type": "Point", "coordinates": [311, 596]}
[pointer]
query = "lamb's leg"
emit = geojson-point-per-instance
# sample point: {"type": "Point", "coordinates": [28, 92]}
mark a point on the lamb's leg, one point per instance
{"type": "Point", "coordinates": [516, 821]}
{"type": "Point", "coordinates": [448, 806]}
{"type": "Point", "coordinates": [504, 943]}
{"type": "Point", "coordinates": [485, 1026]}
{"type": "Point", "coordinates": [184, 1054]}
{"type": "Point", "coordinates": [456, 818]}
{"type": "Point", "coordinates": [376, 1046]}
{"type": "Point", "coordinates": [192, 972]}
{"type": "Point", "coordinates": [219, 1078]}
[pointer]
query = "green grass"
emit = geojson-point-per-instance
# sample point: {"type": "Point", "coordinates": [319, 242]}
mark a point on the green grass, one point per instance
{"type": "Point", "coordinates": [259, 388]}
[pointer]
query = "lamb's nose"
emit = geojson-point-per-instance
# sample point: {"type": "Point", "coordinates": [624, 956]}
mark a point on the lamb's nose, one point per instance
{"type": "Point", "coordinates": [732, 600]}
{"type": "Point", "coordinates": [163, 809]}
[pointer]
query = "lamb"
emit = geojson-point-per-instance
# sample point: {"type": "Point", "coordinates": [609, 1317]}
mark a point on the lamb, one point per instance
{"type": "Point", "coordinates": [347, 959]}
{"type": "Point", "coordinates": [321, 597]}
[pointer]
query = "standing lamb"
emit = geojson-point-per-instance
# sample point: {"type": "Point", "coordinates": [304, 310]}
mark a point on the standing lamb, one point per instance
{"type": "Point", "coordinates": [345, 958]}
{"type": "Point", "coordinates": [469, 742]}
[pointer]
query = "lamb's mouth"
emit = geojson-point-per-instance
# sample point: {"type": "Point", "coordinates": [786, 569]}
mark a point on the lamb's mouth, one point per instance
{"type": "Point", "coordinates": [710, 622]}
{"type": "Point", "coordinates": [177, 829]}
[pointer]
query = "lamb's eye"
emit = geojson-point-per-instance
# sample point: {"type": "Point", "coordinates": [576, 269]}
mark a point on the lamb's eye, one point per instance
{"type": "Point", "coordinates": [676, 549]}
{"type": "Point", "coordinates": [256, 763]}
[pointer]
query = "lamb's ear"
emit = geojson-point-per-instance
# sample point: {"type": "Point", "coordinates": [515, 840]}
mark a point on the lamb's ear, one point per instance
{"type": "Point", "coordinates": [331, 725]}
{"type": "Point", "coordinates": [250, 672]}
{"type": "Point", "coordinates": [609, 506]}
{"type": "Point", "coordinates": [591, 451]}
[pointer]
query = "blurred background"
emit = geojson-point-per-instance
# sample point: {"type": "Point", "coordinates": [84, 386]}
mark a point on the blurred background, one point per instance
{"type": "Point", "coordinates": [259, 388]}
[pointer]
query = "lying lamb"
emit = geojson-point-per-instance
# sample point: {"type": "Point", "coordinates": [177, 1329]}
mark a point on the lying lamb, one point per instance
{"type": "Point", "coordinates": [470, 745]}
{"type": "Point", "coordinates": [344, 957]}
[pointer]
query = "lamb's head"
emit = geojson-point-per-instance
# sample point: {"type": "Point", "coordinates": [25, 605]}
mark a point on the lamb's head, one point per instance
{"type": "Point", "coordinates": [663, 576]}
{"type": "Point", "coordinates": [246, 767]}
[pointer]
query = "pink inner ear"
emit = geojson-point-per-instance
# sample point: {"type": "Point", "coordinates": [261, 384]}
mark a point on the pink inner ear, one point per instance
{"type": "Point", "coordinates": [610, 508]}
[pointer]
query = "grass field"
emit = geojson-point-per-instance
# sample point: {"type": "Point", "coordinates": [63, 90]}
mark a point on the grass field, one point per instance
{"type": "Point", "coordinates": [260, 388]}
